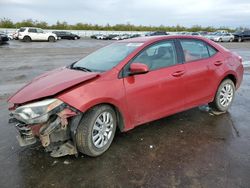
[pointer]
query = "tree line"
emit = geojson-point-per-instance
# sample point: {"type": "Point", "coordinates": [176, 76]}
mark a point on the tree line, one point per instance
{"type": "Point", "coordinates": [8, 23]}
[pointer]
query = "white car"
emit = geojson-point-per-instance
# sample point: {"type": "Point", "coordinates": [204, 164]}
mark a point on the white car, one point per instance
{"type": "Point", "coordinates": [222, 37]}
{"type": "Point", "coordinates": [28, 34]}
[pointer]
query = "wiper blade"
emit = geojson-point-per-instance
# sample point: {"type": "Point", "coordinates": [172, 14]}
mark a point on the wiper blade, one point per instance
{"type": "Point", "coordinates": [81, 68]}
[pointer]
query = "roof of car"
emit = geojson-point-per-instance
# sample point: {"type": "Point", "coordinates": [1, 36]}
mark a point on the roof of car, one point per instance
{"type": "Point", "coordinates": [161, 37]}
{"type": "Point", "coordinates": [151, 39]}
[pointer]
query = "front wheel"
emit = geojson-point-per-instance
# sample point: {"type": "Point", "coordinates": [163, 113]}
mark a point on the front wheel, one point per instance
{"type": "Point", "coordinates": [224, 96]}
{"type": "Point", "coordinates": [96, 130]}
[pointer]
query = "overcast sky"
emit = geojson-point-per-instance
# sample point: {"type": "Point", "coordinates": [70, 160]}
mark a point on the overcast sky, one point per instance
{"type": "Point", "coordinates": [230, 13]}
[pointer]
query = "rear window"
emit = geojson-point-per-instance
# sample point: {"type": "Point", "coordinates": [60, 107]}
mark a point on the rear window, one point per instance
{"type": "Point", "coordinates": [211, 50]}
{"type": "Point", "coordinates": [194, 49]}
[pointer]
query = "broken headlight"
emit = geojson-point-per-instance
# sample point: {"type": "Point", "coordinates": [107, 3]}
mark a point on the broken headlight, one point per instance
{"type": "Point", "coordinates": [37, 112]}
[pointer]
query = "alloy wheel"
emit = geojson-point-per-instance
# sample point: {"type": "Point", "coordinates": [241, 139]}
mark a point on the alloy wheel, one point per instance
{"type": "Point", "coordinates": [102, 129]}
{"type": "Point", "coordinates": [226, 95]}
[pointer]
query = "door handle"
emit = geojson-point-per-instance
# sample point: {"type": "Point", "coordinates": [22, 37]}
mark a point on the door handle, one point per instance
{"type": "Point", "coordinates": [218, 63]}
{"type": "Point", "coordinates": [178, 73]}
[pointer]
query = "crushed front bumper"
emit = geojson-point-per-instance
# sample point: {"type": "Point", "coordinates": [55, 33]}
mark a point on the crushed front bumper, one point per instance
{"type": "Point", "coordinates": [55, 135]}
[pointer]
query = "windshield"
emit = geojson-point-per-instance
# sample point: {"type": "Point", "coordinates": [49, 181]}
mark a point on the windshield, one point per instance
{"type": "Point", "coordinates": [106, 58]}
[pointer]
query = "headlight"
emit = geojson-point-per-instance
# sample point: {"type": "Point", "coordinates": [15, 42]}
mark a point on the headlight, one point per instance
{"type": "Point", "coordinates": [37, 112]}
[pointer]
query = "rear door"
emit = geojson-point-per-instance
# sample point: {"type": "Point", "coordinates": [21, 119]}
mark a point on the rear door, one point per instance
{"type": "Point", "coordinates": [200, 61]}
{"type": "Point", "coordinates": [160, 91]}
{"type": "Point", "coordinates": [33, 33]}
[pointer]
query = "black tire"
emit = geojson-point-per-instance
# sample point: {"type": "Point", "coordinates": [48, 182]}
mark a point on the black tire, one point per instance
{"type": "Point", "coordinates": [240, 39]}
{"type": "Point", "coordinates": [75, 38]}
{"type": "Point", "coordinates": [51, 39]}
{"type": "Point", "coordinates": [84, 133]}
{"type": "Point", "coordinates": [231, 40]}
{"type": "Point", "coordinates": [26, 39]}
{"type": "Point", "coordinates": [220, 40]}
{"type": "Point", "coordinates": [217, 104]}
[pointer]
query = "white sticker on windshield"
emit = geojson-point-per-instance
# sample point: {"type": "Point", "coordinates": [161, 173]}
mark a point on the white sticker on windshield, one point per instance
{"type": "Point", "coordinates": [134, 44]}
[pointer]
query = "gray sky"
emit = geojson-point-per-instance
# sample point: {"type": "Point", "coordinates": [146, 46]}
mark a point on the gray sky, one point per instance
{"type": "Point", "coordinates": [230, 13]}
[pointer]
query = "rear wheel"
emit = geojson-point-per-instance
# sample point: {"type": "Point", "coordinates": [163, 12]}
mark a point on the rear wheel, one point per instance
{"type": "Point", "coordinates": [96, 131]}
{"type": "Point", "coordinates": [75, 38]}
{"type": "Point", "coordinates": [224, 96]}
{"type": "Point", "coordinates": [51, 39]}
{"type": "Point", "coordinates": [26, 39]}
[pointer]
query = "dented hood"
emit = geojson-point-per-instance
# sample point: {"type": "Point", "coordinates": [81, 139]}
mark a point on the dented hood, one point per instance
{"type": "Point", "coordinates": [49, 84]}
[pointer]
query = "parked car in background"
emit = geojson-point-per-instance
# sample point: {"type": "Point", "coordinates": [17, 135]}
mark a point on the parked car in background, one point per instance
{"type": "Point", "coordinates": [111, 36]}
{"type": "Point", "coordinates": [135, 35]}
{"type": "Point", "coordinates": [123, 85]}
{"type": "Point", "coordinates": [156, 33]}
{"type": "Point", "coordinates": [28, 34]}
{"type": "Point", "coordinates": [222, 37]}
{"type": "Point", "coordinates": [121, 37]}
{"type": "Point", "coordinates": [195, 34]}
{"type": "Point", "coordinates": [241, 36]}
{"type": "Point", "coordinates": [66, 35]}
{"type": "Point", "coordinates": [3, 38]}
{"type": "Point", "coordinates": [101, 36]}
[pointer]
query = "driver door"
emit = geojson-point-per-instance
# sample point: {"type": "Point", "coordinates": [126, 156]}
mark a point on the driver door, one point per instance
{"type": "Point", "coordinates": [41, 34]}
{"type": "Point", "coordinates": [159, 92]}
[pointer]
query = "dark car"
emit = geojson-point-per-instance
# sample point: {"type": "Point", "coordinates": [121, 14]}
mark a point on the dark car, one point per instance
{"type": "Point", "coordinates": [111, 36]}
{"type": "Point", "coordinates": [123, 85]}
{"type": "Point", "coordinates": [156, 33]}
{"type": "Point", "coordinates": [241, 36]}
{"type": "Point", "coordinates": [66, 35]}
{"type": "Point", "coordinates": [3, 38]}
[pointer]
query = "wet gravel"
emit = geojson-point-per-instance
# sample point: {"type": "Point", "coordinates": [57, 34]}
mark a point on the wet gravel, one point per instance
{"type": "Point", "coordinates": [190, 149]}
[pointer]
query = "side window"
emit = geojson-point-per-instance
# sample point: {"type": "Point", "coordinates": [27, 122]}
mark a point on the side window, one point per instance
{"type": "Point", "coordinates": [159, 55]}
{"type": "Point", "coordinates": [39, 31]}
{"type": "Point", "coordinates": [32, 30]}
{"type": "Point", "coordinates": [194, 49]}
{"type": "Point", "coordinates": [211, 50]}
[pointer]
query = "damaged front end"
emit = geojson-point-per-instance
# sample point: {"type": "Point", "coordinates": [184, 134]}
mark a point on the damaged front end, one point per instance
{"type": "Point", "coordinates": [51, 121]}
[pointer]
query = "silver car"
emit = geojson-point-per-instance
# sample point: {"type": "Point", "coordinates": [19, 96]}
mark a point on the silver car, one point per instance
{"type": "Point", "coordinates": [222, 37]}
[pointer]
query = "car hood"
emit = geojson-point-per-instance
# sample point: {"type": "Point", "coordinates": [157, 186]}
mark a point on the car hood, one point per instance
{"type": "Point", "coordinates": [49, 84]}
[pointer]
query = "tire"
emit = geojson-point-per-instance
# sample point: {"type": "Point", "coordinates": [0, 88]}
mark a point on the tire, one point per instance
{"type": "Point", "coordinates": [51, 39]}
{"type": "Point", "coordinates": [222, 103]}
{"type": "Point", "coordinates": [75, 38]}
{"type": "Point", "coordinates": [240, 39]}
{"type": "Point", "coordinates": [220, 40]}
{"type": "Point", "coordinates": [26, 39]}
{"type": "Point", "coordinates": [231, 40]}
{"type": "Point", "coordinates": [87, 134]}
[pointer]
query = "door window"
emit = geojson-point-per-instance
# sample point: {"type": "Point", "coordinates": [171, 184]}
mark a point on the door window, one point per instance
{"type": "Point", "coordinates": [194, 49]}
{"type": "Point", "coordinates": [157, 56]}
{"type": "Point", "coordinates": [31, 30]}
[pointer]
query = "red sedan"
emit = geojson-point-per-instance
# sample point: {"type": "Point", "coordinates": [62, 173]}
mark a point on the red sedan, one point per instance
{"type": "Point", "coordinates": [123, 85]}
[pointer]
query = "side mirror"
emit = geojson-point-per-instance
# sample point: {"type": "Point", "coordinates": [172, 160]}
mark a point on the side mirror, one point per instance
{"type": "Point", "coordinates": [138, 68]}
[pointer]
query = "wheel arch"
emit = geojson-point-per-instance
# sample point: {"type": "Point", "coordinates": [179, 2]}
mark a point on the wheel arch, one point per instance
{"type": "Point", "coordinates": [230, 76]}
{"type": "Point", "coordinates": [119, 115]}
